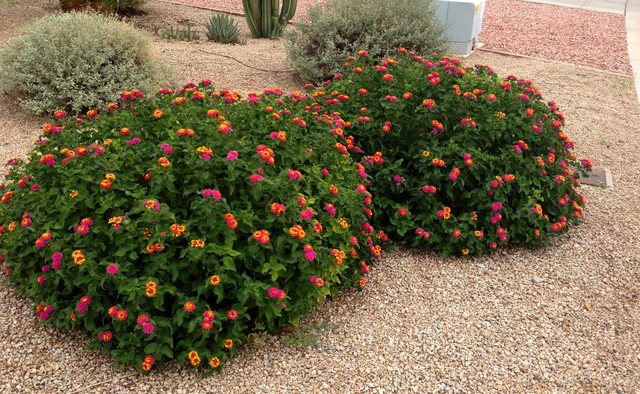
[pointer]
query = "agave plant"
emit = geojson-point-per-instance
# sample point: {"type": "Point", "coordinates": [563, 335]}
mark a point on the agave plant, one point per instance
{"type": "Point", "coordinates": [222, 28]}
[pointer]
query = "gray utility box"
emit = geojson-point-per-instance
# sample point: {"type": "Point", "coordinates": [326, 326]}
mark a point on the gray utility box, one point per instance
{"type": "Point", "coordinates": [463, 22]}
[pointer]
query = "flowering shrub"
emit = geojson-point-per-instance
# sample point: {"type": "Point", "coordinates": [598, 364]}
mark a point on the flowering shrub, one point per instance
{"type": "Point", "coordinates": [168, 228]}
{"type": "Point", "coordinates": [458, 158]}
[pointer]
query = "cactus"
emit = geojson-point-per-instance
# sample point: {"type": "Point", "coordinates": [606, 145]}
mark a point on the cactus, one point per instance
{"type": "Point", "coordinates": [263, 17]}
{"type": "Point", "coordinates": [251, 21]}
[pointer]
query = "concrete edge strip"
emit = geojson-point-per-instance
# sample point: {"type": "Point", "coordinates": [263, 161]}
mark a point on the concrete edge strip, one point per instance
{"type": "Point", "coordinates": [635, 70]}
{"type": "Point", "coordinates": [583, 6]}
{"type": "Point", "coordinates": [608, 178]}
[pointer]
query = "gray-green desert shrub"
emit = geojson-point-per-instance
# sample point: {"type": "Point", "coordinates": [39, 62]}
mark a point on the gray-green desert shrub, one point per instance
{"type": "Point", "coordinates": [318, 46]}
{"type": "Point", "coordinates": [102, 6]}
{"type": "Point", "coordinates": [76, 61]}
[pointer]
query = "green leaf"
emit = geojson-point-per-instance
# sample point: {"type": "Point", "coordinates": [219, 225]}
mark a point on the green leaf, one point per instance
{"type": "Point", "coordinates": [228, 263]}
{"type": "Point", "coordinates": [217, 249]}
{"type": "Point", "coordinates": [151, 348]}
{"type": "Point", "coordinates": [163, 321]}
{"type": "Point", "coordinates": [231, 252]}
{"type": "Point", "coordinates": [192, 325]}
{"type": "Point", "coordinates": [178, 318]}
{"type": "Point", "coordinates": [89, 203]}
{"type": "Point", "coordinates": [175, 272]}
{"type": "Point", "coordinates": [170, 186]}
{"type": "Point", "coordinates": [166, 350]}
{"type": "Point", "coordinates": [158, 300]}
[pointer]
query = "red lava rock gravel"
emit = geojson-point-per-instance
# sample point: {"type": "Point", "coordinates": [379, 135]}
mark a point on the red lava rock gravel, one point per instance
{"type": "Point", "coordinates": [582, 37]}
{"type": "Point", "coordinates": [587, 38]}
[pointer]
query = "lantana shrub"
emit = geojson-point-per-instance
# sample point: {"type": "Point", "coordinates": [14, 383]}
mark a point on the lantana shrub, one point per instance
{"type": "Point", "coordinates": [459, 159]}
{"type": "Point", "coordinates": [171, 227]}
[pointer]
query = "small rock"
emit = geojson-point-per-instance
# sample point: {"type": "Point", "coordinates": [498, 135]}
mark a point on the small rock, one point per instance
{"type": "Point", "coordinates": [587, 306]}
{"type": "Point", "coordinates": [538, 279]}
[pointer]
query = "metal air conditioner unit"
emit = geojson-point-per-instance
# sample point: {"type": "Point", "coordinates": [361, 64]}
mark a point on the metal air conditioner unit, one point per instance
{"type": "Point", "coordinates": [463, 22]}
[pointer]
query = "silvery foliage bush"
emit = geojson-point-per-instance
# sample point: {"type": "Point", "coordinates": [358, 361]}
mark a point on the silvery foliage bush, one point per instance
{"type": "Point", "coordinates": [318, 46]}
{"type": "Point", "coordinates": [76, 61]}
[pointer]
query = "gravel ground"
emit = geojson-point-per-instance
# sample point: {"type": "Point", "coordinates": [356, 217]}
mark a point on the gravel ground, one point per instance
{"type": "Point", "coordinates": [588, 38]}
{"type": "Point", "coordinates": [560, 319]}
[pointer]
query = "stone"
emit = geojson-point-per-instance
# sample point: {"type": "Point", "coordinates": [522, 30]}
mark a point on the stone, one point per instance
{"type": "Point", "coordinates": [598, 177]}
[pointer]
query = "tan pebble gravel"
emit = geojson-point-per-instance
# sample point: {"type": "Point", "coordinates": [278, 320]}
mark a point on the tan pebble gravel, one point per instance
{"type": "Point", "coordinates": [564, 318]}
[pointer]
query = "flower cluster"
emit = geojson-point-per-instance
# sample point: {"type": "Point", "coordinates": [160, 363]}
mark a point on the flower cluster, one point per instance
{"type": "Point", "coordinates": [112, 269]}
{"type": "Point", "coordinates": [194, 358]}
{"type": "Point", "coordinates": [177, 229]}
{"type": "Point", "coordinates": [205, 153]}
{"type": "Point", "coordinates": [44, 311]}
{"type": "Point", "coordinates": [297, 232]}
{"type": "Point", "coordinates": [309, 253]}
{"type": "Point", "coordinates": [81, 307]}
{"type": "Point", "coordinates": [277, 208]}
{"type": "Point", "coordinates": [147, 363]}
{"type": "Point", "coordinates": [189, 306]}
{"type": "Point", "coordinates": [197, 243]}
{"type": "Point", "coordinates": [105, 336]}
{"type": "Point", "coordinates": [306, 214]}
{"type": "Point", "coordinates": [151, 289]}
{"type": "Point", "coordinates": [276, 293]}
{"type": "Point", "coordinates": [261, 236]}
{"type": "Point", "coordinates": [78, 257]}
{"type": "Point", "coordinates": [231, 220]}
{"type": "Point", "coordinates": [152, 204]}
{"type": "Point", "coordinates": [266, 154]}
{"type": "Point", "coordinates": [83, 227]}
{"type": "Point", "coordinates": [187, 132]}
{"type": "Point", "coordinates": [212, 193]}
{"type": "Point", "coordinates": [56, 260]}
{"type": "Point", "coordinates": [331, 209]}
{"type": "Point", "coordinates": [116, 221]}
